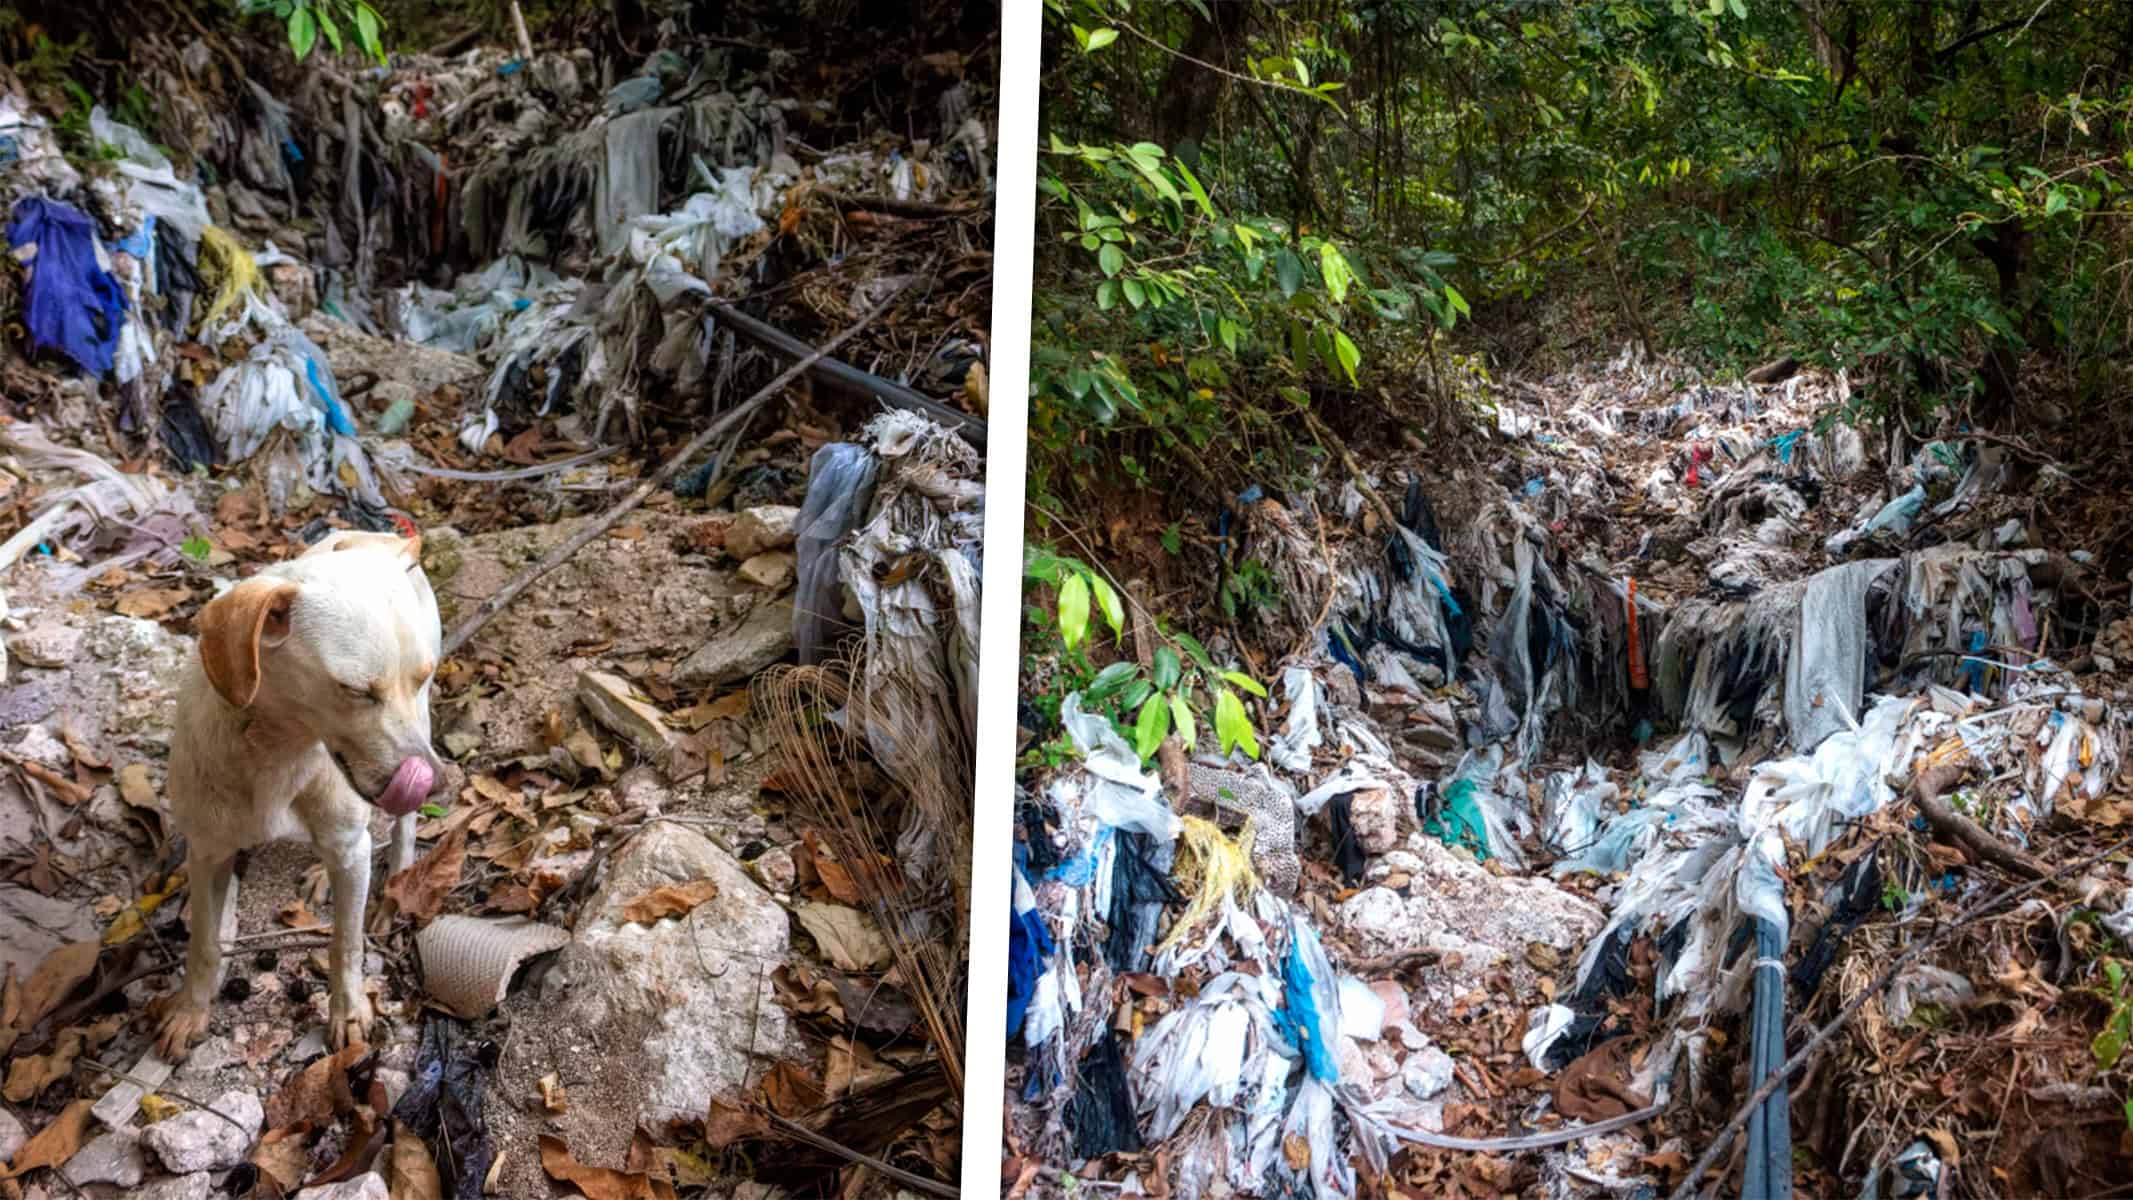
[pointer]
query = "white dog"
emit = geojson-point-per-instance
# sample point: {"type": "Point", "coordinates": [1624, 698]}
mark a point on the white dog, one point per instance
{"type": "Point", "coordinates": [308, 706]}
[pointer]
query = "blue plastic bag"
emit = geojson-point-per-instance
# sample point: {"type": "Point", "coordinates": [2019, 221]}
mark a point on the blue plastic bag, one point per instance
{"type": "Point", "coordinates": [74, 306]}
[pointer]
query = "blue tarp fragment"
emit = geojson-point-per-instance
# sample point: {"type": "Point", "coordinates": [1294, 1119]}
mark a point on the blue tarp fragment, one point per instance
{"type": "Point", "coordinates": [74, 306]}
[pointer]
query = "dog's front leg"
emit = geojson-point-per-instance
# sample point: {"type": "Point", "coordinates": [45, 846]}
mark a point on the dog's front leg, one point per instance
{"type": "Point", "coordinates": [347, 855]}
{"type": "Point", "coordinates": [184, 1012]}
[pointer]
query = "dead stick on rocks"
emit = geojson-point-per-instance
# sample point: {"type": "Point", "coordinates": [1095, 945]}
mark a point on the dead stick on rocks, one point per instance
{"type": "Point", "coordinates": [1813, 1049]}
{"type": "Point", "coordinates": [643, 491]}
{"type": "Point", "coordinates": [1355, 469]}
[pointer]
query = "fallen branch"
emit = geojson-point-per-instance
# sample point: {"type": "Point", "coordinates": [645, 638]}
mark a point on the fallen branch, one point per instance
{"type": "Point", "coordinates": [668, 470]}
{"type": "Point", "coordinates": [1813, 1048]}
{"type": "Point", "coordinates": [894, 394]}
{"type": "Point", "coordinates": [918, 209]}
{"type": "Point", "coordinates": [1927, 788]}
{"type": "Point", "coordinates": [794, 1129]}
{"type": "Point", "coordinates": [1355, 469]}
{"type": "Point", "coordinates": [1528, 1141]}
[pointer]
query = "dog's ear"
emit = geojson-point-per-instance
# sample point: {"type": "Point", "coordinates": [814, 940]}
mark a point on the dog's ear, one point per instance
{"type": "Point", "coordinates": [234, 626]}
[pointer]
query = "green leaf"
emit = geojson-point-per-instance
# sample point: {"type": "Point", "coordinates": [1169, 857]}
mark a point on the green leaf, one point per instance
{"type": "Point", "coordinates": [1167, 667]}
{"type": "Point", "coordinates": [1111, 259]}
{"type": "Point", "coordinates": [303, 32]}
{"type": "Point", "coordinates": [196, 548]}
{"type": "Point", "coordinates": [1150, 727]}
{"type": "Point", "coordinates": [1111, 679]}
{"type": "Point", "coordinates": [1350, 357]}
{"type": "Point", "coordinates": [1288, 272]}
{"type": "Point", "coordinates": [432, 811]}
{"type": "Point", "coordinates": [367, 26]}
{"type": "Point", "coordinates": [1232, 726]}
{"type": "Point", "coordinates": [1457, 301]}
{"type": "Point", "coordinates": [1107, 602]}
{"type": "Point", "coordinates": [1074, 610]}
{"type": "Point", "coordinates": [1181, 716]}
{"type": "Point", "coordinates": [2110, 1045]}
{"type": "Point", "coordinates": [1246, 682]}
{"type": "Point", "coordinates": [1107, 295]}
{"type": "Point", "coordinates": [1174, 539]}
{"type": "Point", "coordinates": [1196, 652]}
{"type": "Point", "coordinates": [1098, 39]}
{"type": "Point", "coordinates": [1141, 690]}
{"type": "Point", "coordinates": [1335, 268]}
{"type": "Point", "coordinates": [333, 31]}
{"type": "Point", "coordinates": [1192, 184]}
{"type": "Point", "coordinates": [1135, 294]}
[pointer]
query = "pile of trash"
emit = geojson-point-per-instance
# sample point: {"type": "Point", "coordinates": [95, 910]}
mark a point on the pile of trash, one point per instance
{"type": "Point", "coordinates": [1597, 761]}
{"type": "Point", "coordinates": [481, 297]}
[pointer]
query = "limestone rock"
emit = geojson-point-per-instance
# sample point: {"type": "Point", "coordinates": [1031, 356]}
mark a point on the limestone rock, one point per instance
{"type": "Point", "coordinates": [696, 986]}
{"type": "Point", "coordinates": [771, 570]}
{"type": "Point", "coordinates": [771, 527]}
{"type": "Point", "coordinates": [614, 703]}
{"type": "Point", "coordinates": [114, 1157]}
{"type": "Point", "coordinates": [196, 1186]}
{"type": "Point", "coordinates": [370, 1186]}
{"type": "Point", "coordinates": [735, 653]}
{"type": "Point", "coordinates": [201, 1141]}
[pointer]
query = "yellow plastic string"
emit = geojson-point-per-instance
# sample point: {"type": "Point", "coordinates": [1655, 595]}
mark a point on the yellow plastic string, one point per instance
{"type": "Point", "coordinates": [227, 270]}
{"type": "Point", "coordinates": [1210, 867]}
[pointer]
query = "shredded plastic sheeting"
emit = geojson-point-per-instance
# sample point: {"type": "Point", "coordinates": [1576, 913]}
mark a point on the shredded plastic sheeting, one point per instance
{"type": "Point", "coordinates": [1825, 675]}
{"type": "Point", "coordinates": [125, 518]}
{"type": "Point", "coordinates": [840, 486]}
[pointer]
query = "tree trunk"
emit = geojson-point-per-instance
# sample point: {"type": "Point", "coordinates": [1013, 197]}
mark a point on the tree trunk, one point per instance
{"type": "Point", "coordinates": [1191, 93]}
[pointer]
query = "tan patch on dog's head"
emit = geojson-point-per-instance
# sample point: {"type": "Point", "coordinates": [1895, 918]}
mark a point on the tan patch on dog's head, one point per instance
{"type": "Point", "coordinates": [233, 627]}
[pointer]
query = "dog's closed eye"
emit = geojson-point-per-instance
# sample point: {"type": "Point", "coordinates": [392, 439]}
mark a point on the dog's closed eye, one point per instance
{"type": "Point", "coordinates": [361, 695]}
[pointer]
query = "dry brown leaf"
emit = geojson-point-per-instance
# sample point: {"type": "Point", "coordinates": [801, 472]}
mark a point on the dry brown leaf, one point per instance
{"type": "Point", "coordinates": [317, 1093]}
{"type": "Point", "coordinates": [55, 1143]}
{"type": "Point", "coordinates": [599, 1183]}
{"type": "Point", "coordinates": [846, 935]}
{"type": "Point", "coordinates": [414, 1172]}
{"type": "Point", "coordinates": [82, 755]}
{"type": "Point", "coordinates": [135, 787]}
{"type": "Point", "coordinates": [1297, 1150]}
{"type": "Point", "coordinates": [283, 1157]}
{"type": "Point", "coordinates": [669, 900]}
{"type": "Point", "coordinates": [730, 1123]}
{"type": "Point", "coordinates": [65, 790]}
{"type": "Point", "coordinates": [60, 973]}
{"type": "Point", "coordinates": [30, 1074]}
{"type": "Point", "coordinates": [791, 1091]}
{"type": "Point", "coordinates": [151, 603]}
{"type": "Point", "coordinates": [836, 880]}
{"type": "Point", "coordinates": [420, 890]}
{"type": "Point", "coordinates": [296, 916]}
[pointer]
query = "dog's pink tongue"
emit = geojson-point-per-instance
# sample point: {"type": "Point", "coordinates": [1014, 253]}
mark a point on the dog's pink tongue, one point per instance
{"type": "Point", "coordinates": [410, 787]}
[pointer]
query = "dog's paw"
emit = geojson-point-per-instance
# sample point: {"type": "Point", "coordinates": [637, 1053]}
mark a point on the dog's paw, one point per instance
{"type": "Point", "coordinates": [178, 1025]}
{"type": "Point", "coordinates": [348, 1022]}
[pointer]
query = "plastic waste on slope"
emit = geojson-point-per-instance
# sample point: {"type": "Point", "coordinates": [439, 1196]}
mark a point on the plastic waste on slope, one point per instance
{"type": "Point", "coordinates": [840, 485]}
{"type": "Point", "coordinates": [73, 304]}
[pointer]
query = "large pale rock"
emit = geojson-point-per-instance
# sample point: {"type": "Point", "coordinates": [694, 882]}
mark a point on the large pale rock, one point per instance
{"type": "Point", "coordinates": [362, 1187]}
{"type": "Point", "coordinates": [113, 1158]}
{"type": "Point", "coordinates": [614, 703]}
{"type": "Point", "coordinates": [137, 667]}
{"type": "Point", "coordinates": [771, 527]}
{"type": "Point", "coordinates": [196, 1186]}
{"type": "Point", "coordinates": [1377, 814]}
{"type": "Point", "coordinates": [771, 570]}
{"type": "Point", "coordinates": [697, 986]}
{"type": "Point", "coordinates": [735, 653]}
{"type": "Point", "coordinates": [201, 1141]}
{"type": "Point", "coordinates": [1476, 922]}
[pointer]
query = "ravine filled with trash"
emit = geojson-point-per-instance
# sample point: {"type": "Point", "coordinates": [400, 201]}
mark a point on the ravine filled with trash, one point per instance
{"type": "Point", "coordinates": [1652, 731]}
{"type": "Point", "coordinates": [674, 358]}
